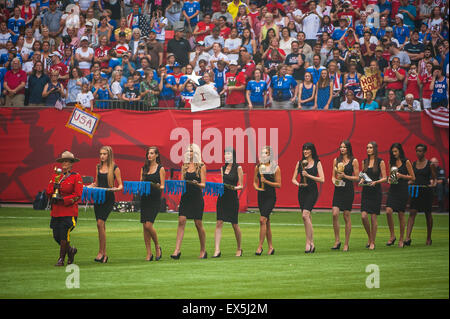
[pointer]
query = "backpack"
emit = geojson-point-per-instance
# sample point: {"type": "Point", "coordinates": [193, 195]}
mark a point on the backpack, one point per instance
{"type": "Point", "coordinates": [40, 202]}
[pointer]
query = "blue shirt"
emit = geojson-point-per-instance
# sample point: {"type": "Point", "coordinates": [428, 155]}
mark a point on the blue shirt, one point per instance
{"type": "Point", "coordinates": [406, 19]}
{"type": "Point", "coordinates": [102, 95]}
{"type": "Point", "coordinates": [400, 33]}
{"type": "Point", "coordinates": [281, 87]}
{"type": "Point", "coordinates": [14, 25]}
{"type": "Point", "coordinates": [257, 91]}
{"type": "Point", "coordinates": [315, 73]}
{"type": "Point", "coordinates": [372, 106]}
{"type": "Point", "coordinates": [338, 33]}
{"type": "Point", "coordinates": [191, 8]}
{"type": "Point", "coordinates": [166, 93]}
{"type": "Point", "coordinates": [440, 91]}
{"type": "Point", "coordinates": [219, 78]}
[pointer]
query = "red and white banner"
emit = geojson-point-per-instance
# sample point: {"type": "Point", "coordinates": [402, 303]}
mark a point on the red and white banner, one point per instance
{"type": "Point", "coordinates": [439, 116]}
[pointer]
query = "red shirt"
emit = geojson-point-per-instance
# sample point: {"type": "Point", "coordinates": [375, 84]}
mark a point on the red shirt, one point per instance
{"type": "Point", "coordinates": [225, 33]}
{"type": "Point", "coordinates": [71, 189]}
{"type": "Point", "coordinates": [270, 6]}
{"type": "Point", "coordinates": [62, 69]}
{"type": "Point", "coordinates": [356, 4]}
{"type": "Point", "coordinates": [413, 86]}
{"type": "Point", "coordinates": [15, 79]}
{"type": "Point", "coordinates": [248, 70]}
{"type": "Point", "coordinates": [397, 85]}
{"type": "Point", "coordinates": [426, 81]}
{"type": "Point", "coordinates": [236, 96]}
{"type": "Point", "coordinates": [202, 26]}
{"type": "Point", "coordinates": [101, 52]}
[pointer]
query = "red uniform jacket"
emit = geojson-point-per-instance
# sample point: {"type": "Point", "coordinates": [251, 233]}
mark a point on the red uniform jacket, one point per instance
{"type": "Point", "coordinates": [71, 189]}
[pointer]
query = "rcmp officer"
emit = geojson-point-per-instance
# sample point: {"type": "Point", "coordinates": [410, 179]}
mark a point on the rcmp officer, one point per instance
{"type": "Point", "coordinates": [66, 188]}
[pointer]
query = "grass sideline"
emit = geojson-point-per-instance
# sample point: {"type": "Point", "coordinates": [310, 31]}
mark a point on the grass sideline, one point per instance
{"type": "Point", "coordinates": [28, 253]}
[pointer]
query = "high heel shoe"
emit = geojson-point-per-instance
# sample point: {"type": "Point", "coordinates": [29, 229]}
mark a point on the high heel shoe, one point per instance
{"type": "Point", "coordinates": [312, 250]}
{"type": "Point", "coordinates": [104, 259]}
{"type": "Point", "coordinates": [407, 242]}
{"type": "Point", "coordinates": [240, 254]}
{"type": "Point", "coordinates": [348, 248]}
{"type": "Point", "coordinates": [205, 256]}
{"type": "Point", "coordinates": [99, 260]}
{"type": "Point", "coordinates": [272, 252]}
{"type": "Point", "coordinates": [151, 258]}
{"type": "Point", "coordinates": [259, 254]}
{"type": "Point", "coordinates": [307, 251]}
{"type": "Point", "coordinates": [160, 254]}
{"type": "Point", "coordinates": [218, 255]}
{"type": "Point", "coordinates": [428, 243]}
{"type": "Point", "coordinates": [392, 242]}
{"type": "Point", "coordinates": [337, 247]}
{"type": "Point", "coordinates": [177, 256]}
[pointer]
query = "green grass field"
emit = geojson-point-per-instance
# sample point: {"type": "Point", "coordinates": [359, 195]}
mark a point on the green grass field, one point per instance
{"type": "Point", "coordinates": [28, 254]}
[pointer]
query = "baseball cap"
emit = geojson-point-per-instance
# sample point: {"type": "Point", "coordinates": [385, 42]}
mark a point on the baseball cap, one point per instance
{"type": "Point", "coordinates": [379, 48]}
{"type": "Point", "coordinates": [89, 24]}
{"type": "Point", "coordinates": [399, 15]}
{"type": "Point", "coordinates": [56, 53]}
{"type": "Point", "coordinates": [122, 34]}
{"type": "Point", "coordinates": [201, 43]}
{"type": "Point", "coordinates": [389, 29]}
{"type": "Point", "coordinates": [84, 38]}
{"type": "Point", "coordinates": [234, 62]}
{"type": "Point", "coordinates": [176, 65]}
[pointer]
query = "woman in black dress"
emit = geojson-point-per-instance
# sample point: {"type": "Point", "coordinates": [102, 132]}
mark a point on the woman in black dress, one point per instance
{"type": "Point", "coordinates": [107, 173]}
{"type": "Point", "coordinates": [310, 171]}
{"type": "Point", "coordinates": [193, 172]}
{"type": "Point", "coordinates": [371, 195]}
{"type": "Point", "coordinates": [425, 173]}
{"type": "Point", "coordinates": [153, 172]}
{"type": "Point", "coordinates": [345, 173]}
{"type": "Point", "coordinates": [398, 191]}
{"type": "Point", "coordinates": [267, 177]}
{"type": "Point", "coordinates": [228, 203]}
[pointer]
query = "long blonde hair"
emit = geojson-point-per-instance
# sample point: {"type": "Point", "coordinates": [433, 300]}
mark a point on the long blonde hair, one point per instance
{"type": "Point", "coordinates": [110, 163]}
{"type": "Point", "coordinates": [197, 160]}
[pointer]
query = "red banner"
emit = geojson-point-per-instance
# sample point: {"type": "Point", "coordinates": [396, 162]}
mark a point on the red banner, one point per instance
{"type": "Point", "coordinates": [32, 138]}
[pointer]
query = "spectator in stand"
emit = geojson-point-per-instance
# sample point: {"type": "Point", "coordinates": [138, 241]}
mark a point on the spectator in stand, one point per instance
{"type": "Point", "coordinates": [224, 28]}
{"type": "Point", "coordinates": [311, 23]}
{"type": "Point", "coordinates": [52, 20]}
{"type": "Point", "coordinates": [149, 89]}
{"type": "Point", "coordinates": [409, 13]}
{"type": "Point", "coordinates": [5, 36]}
{"type": "Point", "coordinates": [297, 61]}
{"type": "Point", "coordinates": [409, 104]}
{"type": "Point", "coordinates": [233, 7]}
{"type": "Point", "coordinates": [180, 47]}
{"type": "Point", "coordinates": [425, 82]}
{"type": "Point", "coordinates": [268, 24]}
{"type": "Point", "coordinates": [232, 45]}
{"type": "Point", "coordinates": [123, 27]}
{"type": "Point", "coordinates": [27, 12]}
{"type": "Point", "coordinates": [130, 93]}
{"type": "Point", "coordinates": [324, 93]}
{"type": "Point", "coordinates": [403, 57]}
{"type": "Point", "coordinates": [85, 98]}
{"type": "Point", "coordinates": [336, 82]}
{"type": "Point", "coordinates": [14, 84]}
{"type": "Point", "coordinates": [349, 103]}
{"type": "Point", "coordinates": [391, 103]}
{"type": "Point", "coordinates": [105, 29]}
{"type": "Point", "coordinates": [235, 85]}
{"type": "Point", "coordinates": [173, 12]}
{"type": "Point", "coordinates": [286, 40]}
{"type": "Point", "coordinates": [369, 103]}
{"type": "Point", "coordinates": [203, 28]}
{"type": "Point", "coordinates": [439, 84]}
{"type": "Point", "coordinates": [412, 82]}
{"type": "Point", "coordinates": [401, 31]}
{"type": "Point", "coordinates": [247, 64]}
{"type": "Point", "coordinates": [84, 56]}
{"type": "Point", "coordinates": [283, 89]}
{"type": "Point", "coordinates": [74, 85]}
{"type": "Point", "coordinates": [394, 77]}
{"type": "Point", "coordinates": [190, 11]}
{"type": "Point", "coordinates": [414, 48]}
{"type": "Point", "coordinates": [15, 23]}
{"type": "Point", "coordinates": [316, 68]}
{"type": "Point", "coordinates": [248, 41]}
{"type": "Point", "coordinates": [36, 83]}
{"type": "Point", "coordinates": [223, 12]}
{"type": "Point", "coordinates": [60, 67]}
{"type": "Point", "coordinates": [166, 87]}
{"type": "Point", "coordinates": [53, 90]}
{"type": "Point", "coordinates": [256, 92]}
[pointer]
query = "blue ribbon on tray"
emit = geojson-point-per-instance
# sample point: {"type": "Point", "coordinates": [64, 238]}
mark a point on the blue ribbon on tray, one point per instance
{"type": "Point", "coordinates": [97, 195]}
{"type": "Point", "coordinates": [413, 191]}
{"type": "Point", "coordinates": [174, 187]}
{"type": "Point", "coordinates": [141, 188]}
{"type": "Point", "coordinates": [214, 189]}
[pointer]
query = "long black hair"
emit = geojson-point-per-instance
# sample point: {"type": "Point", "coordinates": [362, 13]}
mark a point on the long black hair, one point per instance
{"type": "Point", "coordinates": [348, 145]}
{"type": "Point", "coordinates": [392, 159]}
{"type": "Point", "coordinates": [146, 166]}
{"type": "Point", "coordinates": [376, 159]}
{"type": "Point", "coordinates": [310, 146]}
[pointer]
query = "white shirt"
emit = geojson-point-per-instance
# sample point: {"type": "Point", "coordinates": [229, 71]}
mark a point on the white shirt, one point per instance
{"type": "Point", "coordinates": [84, 4]}
{"type": "Point", "coordinates": [219, 57]}
{"type": "Point", "coordinates": [311, 25]}
{"type": "Point", "coordinates": [85, 99]}
{"type": "Point", "coordinates": [4, 37]}
{"type": "Point", "coordinates": [403, 106]}
{"type": "Point", "coordinates": [233, 44]}
{"type": "Point", "coordinates": [162, 34]}
{"type": "Point", "coordinates": [286, 45]}
{"type": "Point", "coordinates": [352, 106]}
{"type": "Point", "coordinates": [84, 64]}
{"type": "Point", "coordinates": [203, 56]}
{"type": "Point", "coordinates": [116, 90]}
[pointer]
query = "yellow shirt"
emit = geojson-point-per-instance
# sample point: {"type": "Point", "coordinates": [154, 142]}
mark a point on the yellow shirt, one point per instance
{"type": "Point", "coordinates": [233, 8]}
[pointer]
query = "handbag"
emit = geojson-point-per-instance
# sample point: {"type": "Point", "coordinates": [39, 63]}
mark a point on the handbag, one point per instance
{"type": "Point", "coordinates": [60, 104]}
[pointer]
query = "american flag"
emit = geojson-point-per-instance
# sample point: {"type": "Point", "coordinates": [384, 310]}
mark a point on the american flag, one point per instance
{"type": "Point", "coordinates": [439, 116]}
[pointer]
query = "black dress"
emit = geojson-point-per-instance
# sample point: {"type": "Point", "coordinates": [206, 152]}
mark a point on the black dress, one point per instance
{"type": "Point", "coordinates": [398, 193]}
{"type": "Point", "coordinates": [371, 195]}
{"type": "Point", "coordinates": [102, 211]}
{"type": "Point", "coordinates": [228, 204]}
{"type": "Point", "coordinates": [192, 203]}
{"type": "Point", "coordinates": [308, 195]}
{"type": "Point", "coordinates": [424, 201]}
{"type": "Point", "coordinates": [150, 204]}
{"type": "Point", "coordinates": [344, 195]}
{"type": "Point", "coordinates": [268, 197]}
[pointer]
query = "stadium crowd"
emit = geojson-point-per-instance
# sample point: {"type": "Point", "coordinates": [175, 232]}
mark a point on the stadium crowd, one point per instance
{"type": "Point", "coordinates": [143, 54]}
